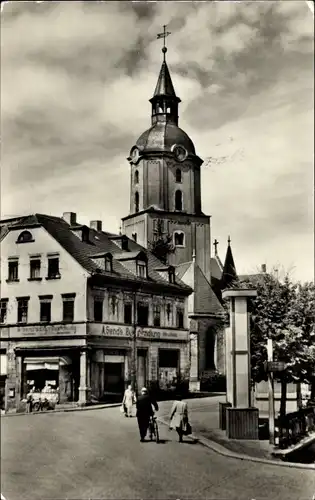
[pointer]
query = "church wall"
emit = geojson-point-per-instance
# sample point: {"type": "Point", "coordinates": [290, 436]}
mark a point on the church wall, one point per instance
{"type": "Point", "coordinates": [203, 247]}
{"type": "Point", "coordinates": [204, 324]}
{"type": "Point", "coordinates": [136, 186]}
{"type": "Point", "coordinates": [186, 186]}
{"type": "Point", "coordinates": [153, 184]}
{"type": "Point", "coordinates": [137, 225]}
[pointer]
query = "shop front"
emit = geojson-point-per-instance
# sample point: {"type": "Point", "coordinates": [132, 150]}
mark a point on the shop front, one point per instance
{"type": "Point", "coordinates": [109, 373]}
{"type": "Point", "coordinates": [49, 374]}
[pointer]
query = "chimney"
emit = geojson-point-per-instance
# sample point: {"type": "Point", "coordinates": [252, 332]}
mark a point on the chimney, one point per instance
{"type": "Point", "coordinates": [70, 218]}
{"type": "Point", "coordinates": [263, 268]}
{"type": "Point", "coordinates": [96, 225]}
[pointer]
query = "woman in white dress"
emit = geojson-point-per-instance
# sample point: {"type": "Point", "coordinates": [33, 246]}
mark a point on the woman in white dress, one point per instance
{"type": "Point", "coordinates": [128, 401]}
{"type": "Point", "coordinates": [179, 417]}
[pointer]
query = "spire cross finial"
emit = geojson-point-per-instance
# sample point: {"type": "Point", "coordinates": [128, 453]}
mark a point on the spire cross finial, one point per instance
{"type": "Point", "coordinates": [164, 35]}
{"type": "Point", "coordinates": [215, 244]}
{"type": "Point", "coordinates": [229, 240]}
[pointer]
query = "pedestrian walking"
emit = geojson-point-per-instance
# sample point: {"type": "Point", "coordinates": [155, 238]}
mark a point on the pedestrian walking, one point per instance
{"type": "Point", "coordinates": [179, 418]}
{"type": "Point", "coordinates": [29, 403]}
{"type": "Point", "coordinates": [128, 401]}
{"type": "Point", "coordinates": [145, 411]}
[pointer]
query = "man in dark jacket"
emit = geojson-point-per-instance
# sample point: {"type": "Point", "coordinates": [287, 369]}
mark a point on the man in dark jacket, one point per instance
{"type": "Point", "coordinates": [145, 411]}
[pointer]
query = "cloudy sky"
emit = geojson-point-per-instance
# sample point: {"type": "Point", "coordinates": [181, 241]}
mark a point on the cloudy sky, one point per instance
{"type": "Point", "coordinates": [75, 82]}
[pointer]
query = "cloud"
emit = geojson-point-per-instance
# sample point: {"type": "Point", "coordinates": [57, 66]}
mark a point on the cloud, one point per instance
{"type": "Point", "coordinates": [75, 82]}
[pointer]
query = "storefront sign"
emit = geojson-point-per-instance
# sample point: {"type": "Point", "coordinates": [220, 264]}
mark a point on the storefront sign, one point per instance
{"type": "Point", "coordinates": [143, 333]}
{"type": "Point", "coordinates": [47, 330]}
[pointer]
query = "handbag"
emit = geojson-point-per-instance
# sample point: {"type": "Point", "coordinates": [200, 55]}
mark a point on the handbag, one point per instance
{"type": "Point", "coordinates": [122, 409]}
{"type": "Point", "coordinates": [187, 429]}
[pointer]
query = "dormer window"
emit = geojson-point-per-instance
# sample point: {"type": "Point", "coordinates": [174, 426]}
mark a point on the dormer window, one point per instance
{"type": "Point", "coordinates": [142, 269]}
{"type": "Point", "coordinates": [178, 175]}
{"type": "Point", "coordinates": [179, 239]}
{"type": "Point", "coordinates": [25, 237]}
{"type": "Point", "coordinates": [108, 263]}
{"type": "Point", "coordinates": [136, 179]}
{"type": "Point", "coordinates": [178, 200]}
{"type": "Point", "coordinates": [171, 275]}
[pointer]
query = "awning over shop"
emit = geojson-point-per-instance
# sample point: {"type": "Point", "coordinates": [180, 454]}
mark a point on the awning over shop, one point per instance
{"type": "Point", "coordinates": [47, 363]}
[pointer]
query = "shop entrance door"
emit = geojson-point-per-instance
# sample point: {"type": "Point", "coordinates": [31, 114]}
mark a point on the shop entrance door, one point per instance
{"type": "Point", "coordinates": [114, 378]}
{"type": "Point", "coordinates": [141, 369]}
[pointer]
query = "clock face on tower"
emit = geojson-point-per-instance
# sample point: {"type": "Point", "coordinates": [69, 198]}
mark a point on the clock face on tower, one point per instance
{"type": "Point", "coordinates": [179, 152]}
{"type": "Point", "coordinates": [134, 154]}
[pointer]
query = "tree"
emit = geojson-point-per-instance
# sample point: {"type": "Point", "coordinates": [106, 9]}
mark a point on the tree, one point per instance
{"type": "Point", "coordinates": [162, 245]}
{"type": "Point", "coordinates": [283, 311]}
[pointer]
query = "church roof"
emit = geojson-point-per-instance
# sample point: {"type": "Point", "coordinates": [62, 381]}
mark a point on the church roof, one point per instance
{"type": "Point", "coordinates": [229, 271]}
{"type": "Point", "coordinates": [203, 300]}
{"type": "Point", "coordinates": [164, 86]}
{"type": "Point", "coordinates": [162, 136]}
{"type": "Point", "coordinates": [98, 242]}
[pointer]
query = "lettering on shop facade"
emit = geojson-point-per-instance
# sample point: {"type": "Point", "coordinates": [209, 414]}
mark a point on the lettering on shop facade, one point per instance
{"type": "Point", "coordinates": [47, 330]}
{"type": "Point", "coordinates": [144, 333]}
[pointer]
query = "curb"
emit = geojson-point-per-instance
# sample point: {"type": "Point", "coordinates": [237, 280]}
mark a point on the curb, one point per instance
{"type": "Point", "coordinates": [63, 410]}
{"type": "Point", "coordinates": [222, 450]}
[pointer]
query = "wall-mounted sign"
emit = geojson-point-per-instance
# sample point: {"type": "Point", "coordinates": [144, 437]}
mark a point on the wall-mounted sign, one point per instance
{"type": "Point", "coordinates": [47, 330]}
{"type": "Point", "coordinates": [143, 333]}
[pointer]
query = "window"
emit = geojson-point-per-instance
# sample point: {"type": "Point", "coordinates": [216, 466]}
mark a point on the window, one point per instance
{"type": "Point", "coordinates": [141, 269]}
{"type": "Point", "coordinates": [178, 200]}
{"type": "Point", "coordinates": [53, 268]}
{"type": "Point", "coordinates": [142, 314]}
{"type": "Point", "coordinates": [136, 177]}
{"type": "Point", "coordinates": [68, 307]}
{"type": "Point", "coordinates": [34, 269]}
{"type": "Point", "coordinates": [13, 270]}
{"type": "Point", "coordinates": [171, 275]}
{"type": "Point", "coordinates": [169, 312]}
{"type": "Point", "coordinates": [134, 237]}
{"type": "Point", "coordinates": [180, 317]}
{"type": "Point", "coordinates": [178, 175]}
{"type": "Point", "coordinates": [128, 314]}
{"type": "Point", "coordinates": [98, 309]}
{"type": "Point", "coordinates": [113, 304]}
{"type": "Point", "coordinates": [156, 315]}
{"type": "Point", "coordinates": [25, 237]}
{"type": "Point", "coordinates": [179, 239]}
{"type": "Point", "coordinates": [136, 201]}
{"type": "Point", "coordinates": [168, 110]}
{"type": "Point", "coordinates": [108, 263]}
{"type": "Point", "coordinates": [168, 358]}
{"type": "Point", "coordinates": [3, 310]}
{"type": "Point", "coordinates": [45, 308]}
{"type": "Point", "coordinates": [22, 309]}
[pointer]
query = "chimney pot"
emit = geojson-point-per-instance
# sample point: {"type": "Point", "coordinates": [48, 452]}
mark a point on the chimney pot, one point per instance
{"type": "Point", "coordinates": [70, 218]}
{"type": "Point", "coordinates": [263, 268]}
{"type": "Point", "coordinates": [96, 225]}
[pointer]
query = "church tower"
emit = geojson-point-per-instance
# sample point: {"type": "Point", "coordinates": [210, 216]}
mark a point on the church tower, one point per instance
{"type": "Point", "coordinates": [165, 200]}
{"type": "Point", "coordinates": [165, 187]}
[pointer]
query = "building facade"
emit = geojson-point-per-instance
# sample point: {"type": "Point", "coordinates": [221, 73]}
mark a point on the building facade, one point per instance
{"type": "Point", "coordinates": [86, 312]}
{"type": "Point", "coordinates": [165, 199]}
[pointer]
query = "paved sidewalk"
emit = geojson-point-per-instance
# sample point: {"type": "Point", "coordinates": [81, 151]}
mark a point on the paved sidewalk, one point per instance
{"type": "Point", "coordinates": [204, 419]}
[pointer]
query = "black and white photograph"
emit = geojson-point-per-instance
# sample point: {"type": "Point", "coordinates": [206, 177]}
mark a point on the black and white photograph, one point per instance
{"type": "Point", "coordinates": [157, 296]}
